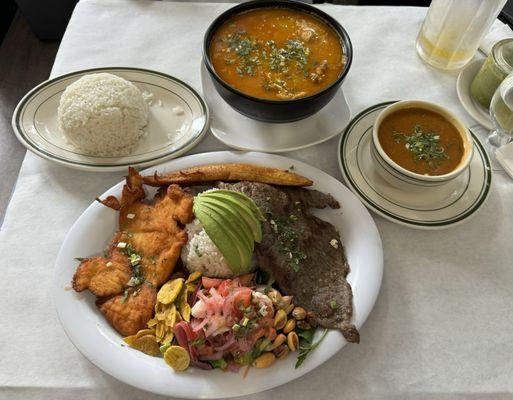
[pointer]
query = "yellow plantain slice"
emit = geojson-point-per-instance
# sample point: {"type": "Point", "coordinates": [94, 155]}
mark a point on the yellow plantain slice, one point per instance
{"type": "Point", "coordinates": [144, 332]}
{"type": "Point", "coordinates": [177, 358]}
{"type": "Point", "coordinates": [192, 278]}
{"type": "Point", "coordinates": [230, 173]}
{"type": "Point", "coordinates": [147, 344]}
{"type": "Point", "coordinates": [170, 291]}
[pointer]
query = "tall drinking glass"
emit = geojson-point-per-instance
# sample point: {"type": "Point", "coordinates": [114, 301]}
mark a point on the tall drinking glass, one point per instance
{"type": "Point", "coordinates": [453, 29]}
{"type": "Point", "coordinates": [501, 114]}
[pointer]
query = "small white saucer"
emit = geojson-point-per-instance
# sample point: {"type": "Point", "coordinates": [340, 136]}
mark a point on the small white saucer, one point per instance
{"type": "Point", "coordinates": [425, 208]}
{"type": "Point", "coordinates": [243, 133]}
{"type": "Point", "coordinates": [476, 110]}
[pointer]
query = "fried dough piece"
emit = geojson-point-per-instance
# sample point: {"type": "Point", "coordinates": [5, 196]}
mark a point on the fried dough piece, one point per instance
{"type": "Point", "coordinates": [129, 314]}
{"type": "Point", "coordinates": [132, 192]}
{"type": "Point", "coordinates": [103, 276]}
{"type": "Point", "coordinates": [228, 173]}
{"type": "Point", "coordinates": [153, 231]}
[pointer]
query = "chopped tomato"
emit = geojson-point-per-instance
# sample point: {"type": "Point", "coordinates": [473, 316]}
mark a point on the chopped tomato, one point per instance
{"type": "Point", "coordinates": [224, 287]}
{"type": "Point", "coordinates": [210, 282]}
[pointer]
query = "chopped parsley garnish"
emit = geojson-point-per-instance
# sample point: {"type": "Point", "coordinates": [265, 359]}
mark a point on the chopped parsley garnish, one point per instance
{"type": "Point", "coordinates": [424, 146]}
{"type": "Point", "coordinates": [135, 260]}
{"type": "Point", "coordinates": [288, 239]}
{"type": "Point", "coordinates": [333, 304]}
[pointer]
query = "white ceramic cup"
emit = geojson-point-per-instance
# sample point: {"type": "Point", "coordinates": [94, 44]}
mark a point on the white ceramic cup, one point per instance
{"type": "Point", "coordinates": [404, 179]}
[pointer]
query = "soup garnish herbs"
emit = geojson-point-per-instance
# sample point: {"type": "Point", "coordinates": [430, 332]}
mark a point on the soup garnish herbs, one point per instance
{"type": "Point", "coordinates": [277, 53]}
{"type": "Point", "coordinates": [424, 146]}
{"type": "Point", "coordinates": [421, 141]}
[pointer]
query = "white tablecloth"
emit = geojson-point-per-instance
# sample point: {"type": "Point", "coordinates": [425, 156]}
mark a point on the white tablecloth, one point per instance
{"type": "Point", "coordinates": [442, 326]}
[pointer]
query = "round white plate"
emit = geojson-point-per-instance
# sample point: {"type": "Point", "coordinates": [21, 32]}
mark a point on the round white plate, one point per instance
{"type": "Point", "coordinates": [476, 110]}
{"type": "Point", "coordinates": [243, 133]}
{"type": "Point", "coordinates": [426, 208]}
{"type": "Point", "coordinates": [168, 135]}
{"type": "Point", "coordinates": [96, 340]}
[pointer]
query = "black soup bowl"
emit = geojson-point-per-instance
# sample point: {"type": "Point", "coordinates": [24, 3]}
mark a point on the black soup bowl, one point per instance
{"type": "Point", "coordinates": [276, 110]}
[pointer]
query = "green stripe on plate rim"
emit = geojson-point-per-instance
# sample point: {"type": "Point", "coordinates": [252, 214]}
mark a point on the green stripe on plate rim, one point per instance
{"type": "Point", "coordinates": [21, 106]}
{"type": "Point", "coordinates": [354, 187]}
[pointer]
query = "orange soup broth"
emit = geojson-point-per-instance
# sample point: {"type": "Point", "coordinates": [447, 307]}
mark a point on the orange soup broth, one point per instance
{"type": "Point", "coordinates": [279, 25]}
{"type": "Point", "coordinates": [403, 122]}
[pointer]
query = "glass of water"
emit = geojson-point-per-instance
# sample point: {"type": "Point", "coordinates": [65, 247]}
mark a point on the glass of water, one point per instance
{"type": "Point", "coordinates": [501, 114]}
{"type": "Point", "coordinates": [453, 29]}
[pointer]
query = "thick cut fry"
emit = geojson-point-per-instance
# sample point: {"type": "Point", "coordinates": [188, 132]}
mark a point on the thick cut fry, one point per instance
{"type": "Point", "coordinates": [228, 173]}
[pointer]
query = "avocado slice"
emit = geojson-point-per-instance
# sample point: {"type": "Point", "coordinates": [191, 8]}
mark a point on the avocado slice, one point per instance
{"type": "Point", "coordinates": [245, 251]}
{"type": "Point", "coordinates": [232, 217]}
{"type": "Point", "coordinates": [245, 199]}
{"type": "Point", "coordinates": [243, 210]}
{"type": "Point", "coordinates": [219, 236]}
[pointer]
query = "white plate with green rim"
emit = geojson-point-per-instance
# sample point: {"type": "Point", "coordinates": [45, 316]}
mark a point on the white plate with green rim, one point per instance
{"type": "Point", "coordinates": [168, 133]}
{"type": "Point", "coordinates": [425, 208]}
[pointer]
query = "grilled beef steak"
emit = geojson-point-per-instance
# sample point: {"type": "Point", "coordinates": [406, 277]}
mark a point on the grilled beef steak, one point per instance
{"type": "Point", "coordinates": [303, 253]}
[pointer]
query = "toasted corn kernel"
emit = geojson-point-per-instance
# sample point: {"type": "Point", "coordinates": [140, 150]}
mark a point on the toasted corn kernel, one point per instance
{"type": "Point", "coordinates": [285, 302]}
{"type": "Point", "coordinates": [289, 326]}
{"type": "Point", "coordinates": [303, 325]}
{"type": "Point", "coordinates": [280, 339]}
{"type": "Point", "coordinates": [281, 351]}
{"type": "Point", "coordinates": [289, 308]}
{"type": "Point", "coordinates": [265, 360]}
{"type": "Point", "coordinates": [293, 341]}
{"type": "Point", "coordinates": [299, 313]}
{"type": "Point", "coordinates": [280, 319]}
{"type": "Point", "coordinates": [275, 296]}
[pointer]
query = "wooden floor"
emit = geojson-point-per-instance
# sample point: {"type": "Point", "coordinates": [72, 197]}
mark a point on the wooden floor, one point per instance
{"type": "Point", "coordinates": [24, 62]}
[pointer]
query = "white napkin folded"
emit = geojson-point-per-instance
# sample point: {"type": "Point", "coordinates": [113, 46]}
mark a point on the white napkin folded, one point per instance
{"type": "Point", "coordinates": [497, 32]}
{"type": "Point", "coordinates": [504, 155]}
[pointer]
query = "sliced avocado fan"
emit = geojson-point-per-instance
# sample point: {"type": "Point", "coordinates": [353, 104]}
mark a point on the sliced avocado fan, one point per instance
{"type": "Point", "coordinates": [233, 222]}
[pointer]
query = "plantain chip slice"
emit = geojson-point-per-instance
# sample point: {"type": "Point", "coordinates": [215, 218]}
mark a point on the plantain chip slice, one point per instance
{"type": "Point", "coordinates": [170, 316]}
{"type": "Point", "coordinates": [152, 322]}
{"type": "Point", "coordinates": [193, 277]}
{"type": "Point", "coordinates": [147, 344]}
{"type": "Point", "coordinates": [183, 305]}
{"type": "Point", "coordinates": [129, 340]}
{"type": "Point", "coordinates": [144, 332]}
{"type": "Point", "coordinates": [160, 331]}
{"type": "Point", "coordinates": [163, 348]}
{"type": "Point", "coordinates": [177, 358]}
{"type": "Point", "coordinates": [170, 291]}
{"type": "Point", "coordinates": [168, 338]}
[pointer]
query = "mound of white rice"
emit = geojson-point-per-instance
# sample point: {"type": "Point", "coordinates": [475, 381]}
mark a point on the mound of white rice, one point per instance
{"type": "Point", "coordinates": [202, 255]}
{"type": "Point", "coordinates": [103, 114]}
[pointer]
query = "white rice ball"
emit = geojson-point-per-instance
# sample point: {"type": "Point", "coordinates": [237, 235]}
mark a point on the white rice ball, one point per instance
{"type": "Point", "coordinates": [202, 255]}
{"type": "Point", "coordinates": [103, 114]}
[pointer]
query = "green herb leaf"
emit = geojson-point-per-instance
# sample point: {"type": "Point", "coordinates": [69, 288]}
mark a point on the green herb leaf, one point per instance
{"type": "Point", "coordinates": [424, 146]}
{"type": "Point", "coordinates": [221, 364]}
{"type": "Point", "coordinates": [306, 348]}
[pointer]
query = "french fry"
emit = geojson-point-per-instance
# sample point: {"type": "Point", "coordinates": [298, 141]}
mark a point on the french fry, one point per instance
{"type": "Point", "coordinates": [227, 173]}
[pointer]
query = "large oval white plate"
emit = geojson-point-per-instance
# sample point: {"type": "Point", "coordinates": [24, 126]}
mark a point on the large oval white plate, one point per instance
{"type": "Point", "coordinates": [168, 135]}
{"type": "Point", "coordinates": [96, 340]}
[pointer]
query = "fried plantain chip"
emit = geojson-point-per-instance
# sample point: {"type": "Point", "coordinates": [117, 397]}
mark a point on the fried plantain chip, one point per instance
{"type": "Point", "coordinates": [228, 173]}
{"type": "Point", "coordinates": [147, 344]}
{"type": "Point", "coordinates": [177, 358]}
{"type": "Point", "coordinates": [170, 291]}
{"type": "Point", "coordinates": [193, 278]}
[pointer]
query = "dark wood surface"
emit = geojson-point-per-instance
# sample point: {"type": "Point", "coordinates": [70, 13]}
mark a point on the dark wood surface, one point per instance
{"type": "Point", "coordinates": [24, 62]}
